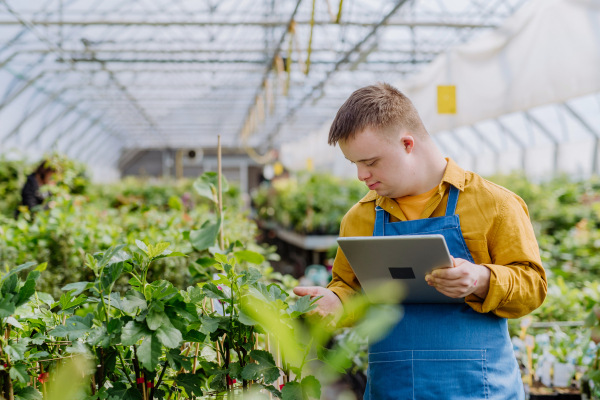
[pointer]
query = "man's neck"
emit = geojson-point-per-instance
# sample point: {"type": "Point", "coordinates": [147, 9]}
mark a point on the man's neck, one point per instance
{"type": "Point", "coordinates": [431, 173]}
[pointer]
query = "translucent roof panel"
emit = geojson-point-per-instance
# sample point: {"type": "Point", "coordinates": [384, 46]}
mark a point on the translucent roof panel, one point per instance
{"type": "Point", "coordinates": [91, 78]}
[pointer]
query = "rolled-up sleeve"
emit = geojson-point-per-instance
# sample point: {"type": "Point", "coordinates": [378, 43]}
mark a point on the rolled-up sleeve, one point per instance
{"type": "Point", "coordinates": [518, 282]}
{"type": "Point", "coordinates": [343, 280]}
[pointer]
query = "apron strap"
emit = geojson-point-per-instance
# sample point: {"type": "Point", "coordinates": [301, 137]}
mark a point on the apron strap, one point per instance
{"type": "Point", "coordinates": [452, 201]}
{"type": "Point", "coordinates": [381, 218]}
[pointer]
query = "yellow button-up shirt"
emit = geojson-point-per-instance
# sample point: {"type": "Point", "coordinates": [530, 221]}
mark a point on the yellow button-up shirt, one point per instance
{"type": "Point", "coordinates": [496, 227]}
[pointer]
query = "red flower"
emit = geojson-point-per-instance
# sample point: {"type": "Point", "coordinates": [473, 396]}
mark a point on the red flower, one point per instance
{"type": "Point", "coordinates": [150, 385]}
{"type": "Point", "coordinates": [281, 386]}
{"type": "Point", "coordinates": [139, 380]}
{"type": "Point", "coordinates": [230, 381]}
{"type": "Point", "coordinates": [43, 377]}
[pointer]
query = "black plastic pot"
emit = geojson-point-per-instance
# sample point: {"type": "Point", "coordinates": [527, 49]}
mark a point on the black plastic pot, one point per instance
{"type": "Point", "coordinates": [569, 396]}
{"type": "Point", "coordinates": [543, 396]}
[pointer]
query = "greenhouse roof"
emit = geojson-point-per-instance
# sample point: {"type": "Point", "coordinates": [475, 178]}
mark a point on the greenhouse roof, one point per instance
{"type": "Point", "coordinates": [91, 78]}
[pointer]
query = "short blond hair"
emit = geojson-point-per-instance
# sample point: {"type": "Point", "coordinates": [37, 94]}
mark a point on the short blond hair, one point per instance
{"type": "Point", "coordinates": [381, 107]}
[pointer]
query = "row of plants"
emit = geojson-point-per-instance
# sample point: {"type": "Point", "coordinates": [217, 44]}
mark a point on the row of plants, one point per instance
{"type": "Point", "coordinates": [308, 203]}
{"type": "Point", "coordinates": [125, 335]}
{"type": "Point", "coordinates": [566, 218]}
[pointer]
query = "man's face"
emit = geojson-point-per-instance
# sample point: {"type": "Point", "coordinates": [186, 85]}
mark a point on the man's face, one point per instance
{"type": "Point", "coordinates": [384, 164]}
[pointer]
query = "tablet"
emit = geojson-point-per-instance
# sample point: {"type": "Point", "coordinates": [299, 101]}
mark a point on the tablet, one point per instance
{"type": "Point", "coordinates": [407, 258]}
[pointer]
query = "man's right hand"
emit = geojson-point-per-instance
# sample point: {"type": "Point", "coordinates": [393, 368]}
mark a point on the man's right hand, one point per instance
{"type": "Point", "coordinates": [329, 307]}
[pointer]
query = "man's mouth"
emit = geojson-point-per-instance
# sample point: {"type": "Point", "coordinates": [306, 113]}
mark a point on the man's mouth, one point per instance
{"type": "Point", "coordinates": [373, 186]}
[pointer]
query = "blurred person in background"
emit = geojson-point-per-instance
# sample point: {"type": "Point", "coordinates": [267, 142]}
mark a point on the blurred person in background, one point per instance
{"type": "Point", "coordinates": [31, 196]}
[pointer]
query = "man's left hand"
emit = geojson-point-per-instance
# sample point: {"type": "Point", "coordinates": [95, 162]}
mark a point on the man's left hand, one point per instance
{"type": "Point", "coordinates": [463, 279]}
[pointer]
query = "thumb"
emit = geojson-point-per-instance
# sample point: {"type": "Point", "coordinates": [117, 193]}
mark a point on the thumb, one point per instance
{"type": "Point", "coordinates": [307, 290]}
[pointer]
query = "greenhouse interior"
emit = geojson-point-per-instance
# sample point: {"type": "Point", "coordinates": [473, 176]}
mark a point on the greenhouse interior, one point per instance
{"type": "Point", "coordinates": [191, 194]}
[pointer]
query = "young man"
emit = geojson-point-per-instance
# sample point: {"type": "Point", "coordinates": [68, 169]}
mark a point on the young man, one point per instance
{"type": "Point", "coordinates": [437, 351]}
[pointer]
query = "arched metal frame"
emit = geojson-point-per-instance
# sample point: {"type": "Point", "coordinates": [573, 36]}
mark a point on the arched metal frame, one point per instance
{"type": "Point", "coordinates": [176, 74]}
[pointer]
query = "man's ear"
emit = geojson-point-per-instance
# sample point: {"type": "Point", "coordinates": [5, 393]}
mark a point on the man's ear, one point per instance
{"type": "Point", "coordinates": [408, 142]}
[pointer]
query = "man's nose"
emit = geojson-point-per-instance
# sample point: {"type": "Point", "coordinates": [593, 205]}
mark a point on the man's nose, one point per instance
{"type": "Point", "coordinates": [363, 173]}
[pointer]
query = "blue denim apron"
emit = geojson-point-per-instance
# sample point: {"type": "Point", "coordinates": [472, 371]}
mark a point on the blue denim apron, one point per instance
{"type": "Point", "coordinates": [442, 351]}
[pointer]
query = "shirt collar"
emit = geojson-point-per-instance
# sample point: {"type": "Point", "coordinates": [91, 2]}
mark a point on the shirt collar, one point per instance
{"type": "Point", "coordinates": [453, 175]}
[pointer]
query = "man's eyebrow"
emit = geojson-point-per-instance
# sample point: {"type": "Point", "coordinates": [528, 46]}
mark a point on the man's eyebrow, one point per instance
{"type": "Point", "coordinates": [363, 160]}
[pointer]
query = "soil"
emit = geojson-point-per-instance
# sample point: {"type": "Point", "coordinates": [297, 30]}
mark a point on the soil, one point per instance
{"type": "Point", "coordinates": [541, 390]}
{"type": "Point", "coordinates": [567, 390]}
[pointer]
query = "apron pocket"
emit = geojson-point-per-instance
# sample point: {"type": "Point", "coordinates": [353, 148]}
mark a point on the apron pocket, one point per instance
{"type": "Point", "coordinates": [428, 374]}
{"type": "Point", "coordinates": [450, 374]}
{"type": "Point", "coordinates": [390, 376]}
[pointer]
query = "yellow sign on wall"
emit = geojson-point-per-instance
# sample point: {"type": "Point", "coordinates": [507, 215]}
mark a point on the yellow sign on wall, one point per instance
{"type": "Point", "coordinates": [309, 164]}
{"type": "Point", "coordinates": [446, 99]}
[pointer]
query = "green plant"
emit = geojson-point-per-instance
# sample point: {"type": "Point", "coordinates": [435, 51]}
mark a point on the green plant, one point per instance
{"type": "Point", "coordinates": [308, 203]}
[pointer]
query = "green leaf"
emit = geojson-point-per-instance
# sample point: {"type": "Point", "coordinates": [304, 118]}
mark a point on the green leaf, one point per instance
{"type": "Point", "coordinates": [149, 352]}
{"type": "Point", "coordinates": [249, 256]}
{"type": "Point", "coordinates": [192, 384]}
{"type": "Point", "coordinates": [25, 292]}
{"type": "Point", "coordinates": [19, 371]}
{"type": "Point", "coordinates": [42, 267]}
{"type": "Point", "coordinates": [18, 269]}
{"type": "Point", "coordinates": [16, 351]}
{"type": "Point", "coordinates": [246, 320]}
{"type": "Point", "coordinates": [134, 301]}
{"type": "Point", "coordinates": [594, 375]}
{"type": "Point", "coordinates": [206, 262]}
{"type": "Point", "coordinates": [33, 275]}
{"type": "Point", "coordinates": [209, 324]}
{"type": "Point", "coordinates": [99, 337]}
{"type": "Point", "coordinates": [311, 387]}
{"type": "Point", "coordinates": [207, 185]}
{"type": "Point", "coordinates": [133, 332]}
{"type": "Point", "coordinates": [272, 390]}
{"type": "Point", "coordinates": [119, 391]}
{"type": "Point", "coordinates": [222, 258]}
{"type": "Point", "coordinates": [206, 236]}
{"type": "Point", "coordinates": [337, 359]}
{"type": "Point", "coordinates": [158, 249]}
{"type": "Point", "coordinates": [219, 381]}
{"type": "Point", "coordinates": [169, 336]}
{"type": "Point", "coordinates": [74, 328]}
{"type": "Point", "coordinates": [302, 306]}
{"type": "Point", "coordinates": [235, 370]}
{"type": "Point", "coordinates": [178, 361]}
{"type": "Point", "coordinates": [27, 393]}
{"type": "Point", "coordinates": [67, 302]}
{"type": "Point", "coordinates": [142, 246]}
{"type": "Point", "coordinates": [591, 319]}
{"type": "Point", "coordinates": [265, 366]}
{"type": "Point", "coordinates": [251, 276]}
{"type": "Point", "coordinates": [292, 391]}
{"type": "Point", "coordinates": [156, 318]}
{"type": "Point", "coordinates": [77, 288]}
{"type": "Point", "coordinates": [211, 290]}
{"type": "Point", "coordinates": [13, 321]}
{"type": "Point", "coordinates": [194, 336]}
{"type": "Point", "coordinates": [7, 308]}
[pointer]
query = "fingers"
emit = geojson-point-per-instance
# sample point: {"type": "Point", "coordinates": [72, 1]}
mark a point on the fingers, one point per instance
{"type": "Point", "coordinates": [307, 290]}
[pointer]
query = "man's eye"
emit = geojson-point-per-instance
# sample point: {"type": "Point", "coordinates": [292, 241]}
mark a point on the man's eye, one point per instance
{"type": "Point", "coordinates": [373, 163]}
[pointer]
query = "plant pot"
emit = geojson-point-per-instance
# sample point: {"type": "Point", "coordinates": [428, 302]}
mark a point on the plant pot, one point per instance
{"type": "Point", "coordinates": [568, 393]}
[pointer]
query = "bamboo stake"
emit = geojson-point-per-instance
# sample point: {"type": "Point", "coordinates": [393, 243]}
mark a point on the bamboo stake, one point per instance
{"type": "Point", "coordinates": [339, 16]}
{"type": "Point", "coordinates": [310, 38]}
{"type": "Point", "coordinates": [196, 358]}
{"type": "Point", "coordinates": [219, 175]}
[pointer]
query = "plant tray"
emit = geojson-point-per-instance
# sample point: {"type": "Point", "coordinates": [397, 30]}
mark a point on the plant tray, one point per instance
{"type": "Point", "coordinates": [307, 242]}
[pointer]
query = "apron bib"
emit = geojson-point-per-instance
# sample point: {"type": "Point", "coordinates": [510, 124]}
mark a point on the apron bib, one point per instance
{"type": "Point", "coordinates": [442, 351]}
